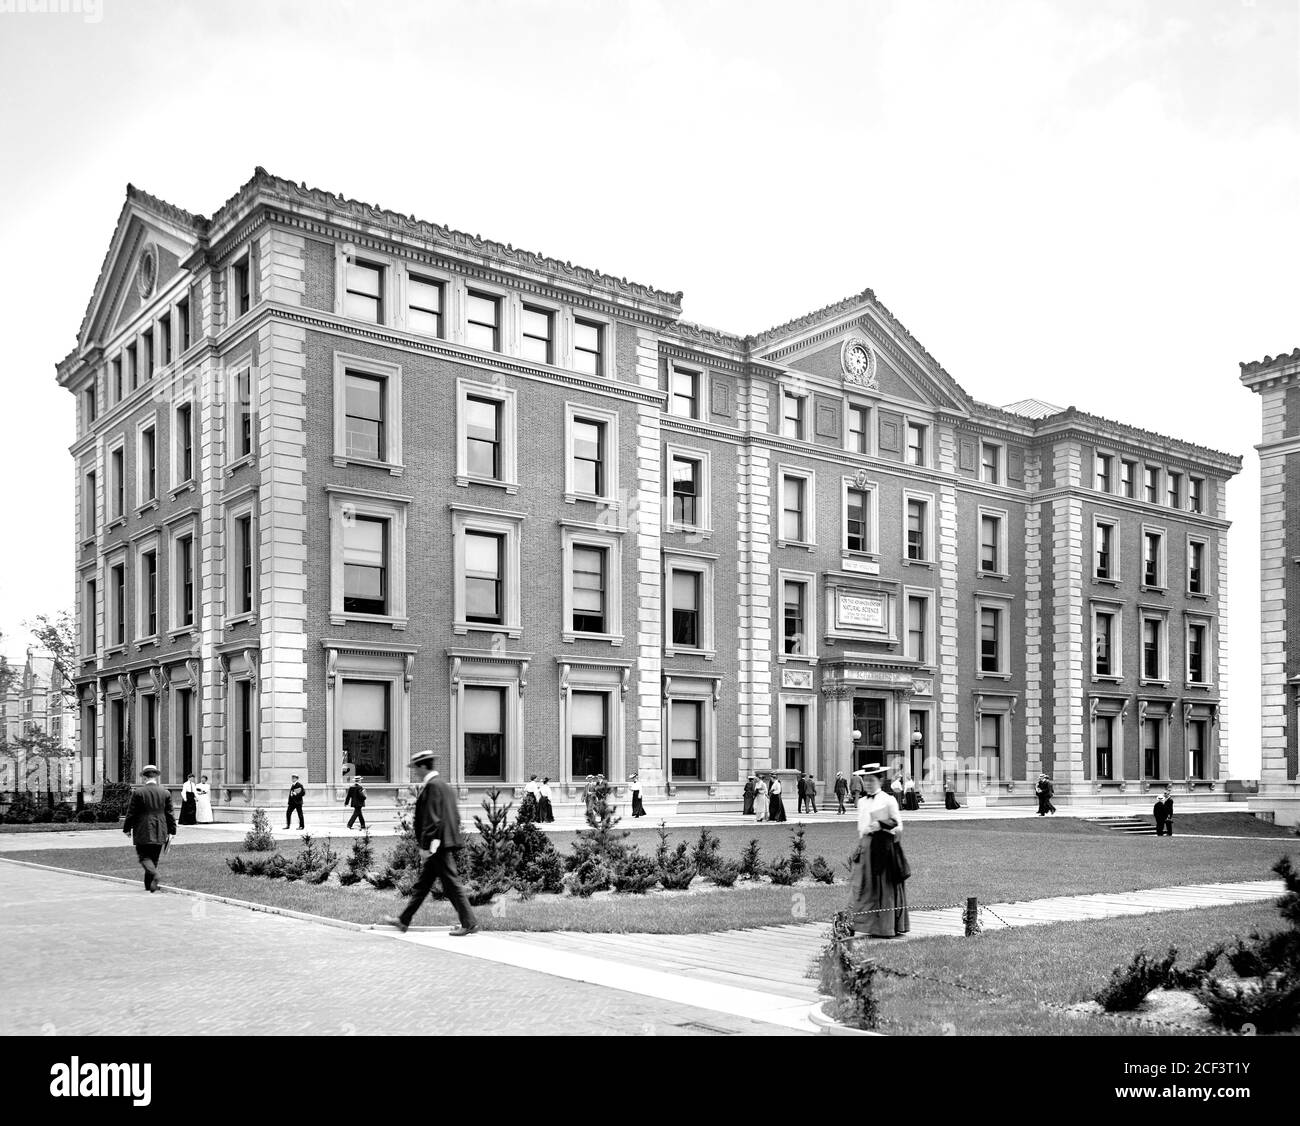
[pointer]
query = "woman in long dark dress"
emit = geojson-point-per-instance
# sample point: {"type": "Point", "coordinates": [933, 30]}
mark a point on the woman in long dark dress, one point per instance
{"type": "Point", "coordinates": [528, 807]}
{"type": "Point", "coordinates": [748, 810]}
{"type": "Point", "coordinates": [880, 870]}
{"type": "Point", "coordinates": [638, 808]}
{"type": "Point", "coordinates": [776, 807]}
{"type": "Point", "coordinates": [544, 810]}
{"type": "Point", "coordinates": [188, 806]}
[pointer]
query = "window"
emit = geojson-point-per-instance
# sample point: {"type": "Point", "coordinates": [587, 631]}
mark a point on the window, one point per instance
{"type": "Point", "coordinates": [90, 404]}
{"type": "Point", "coordinates": [89, 611]}
{"type": "Point", "coordinates": [915, 443]}
{"type": "Point", "coordinates": [242, 420]}
{"type": "Point", "coordinates": [424, 305]}
{"type": "Point", "coordinates": [132, 368]}
{"type": "Point", "coordinates": [368, 412]}
{"type": "Point", "coordinates": [366, 743]}
{"type": "Point", "coordinates": [991, 746]}
{"type": "Point", "coordinates": [365, 566]}
{"type": "Point", "coordinates": [1196, 744]}
{"type": "Point", "coordinates": [793, 600]}
{"type": "Point", "coordinates": [184, 584]}
{"type": "Point", "coordinates": [539, 335]}
{"type": "Point", "coordinates": [364, 417]}
{"type": "Point", "coordinates": [115, 378]}
{"type": "Point", "coordinates": [685, 398]}
{"type": "Point", "coordinates": [589, 589]}
{"type": "Point", "coordinates": [184, 443]}
{"type": "Point", "coordinates": [1195, 567]}
{"type": "Point", "coordinates": [165, 339]}
{"type": "Point", "coordinates": [686, 609]}
{"type": "Point", "coordinates": [483, 322]}
{"type": "Point", "coordinates": [1153, 645]}
{"type": "Point", "coordinates": [588, 450]}
{"type": "Point", "coordinates": [1196, 667]}
{"type": "Point", "coordinates": [792, 415]}
{"type": "Point", "coordinates": [917, 629]}
{"type": "Point", "coordinates": [795, 735]}
{"type": "Point", "coordinates": [588, 347]}
{"type": "Point", "coordinates": [183, 322]}
{"type": "Point", "coordinates": [1103, 732]}
{"type": "Point", "coordinates": [1128, 479]}
{"type": "Point", "coordinates": [241, 299]}
{"type": "Point", "coordinates": [117, 584]}
{"type": "Point", "coordinates": [1104, 481]}
{"type": "Point", "coordinates": [363, 291]}
{"type": "Point", "coordinates": [1103, 644]}
{"type": "Point", "coordinates": [857, 520]}
{"type": "Point", "coordinates": [117, 484]}
{"type": "Point", "coordinates": [483, 577]}
{"type": "Point", "coordinates": [1196, 494]}
{"type": "Point", "coordinates": [990, 639]}
{"type": "Point", "coordinates": [241, 768]}
{"type": "Point", "coordinates": [1151, 485]}
{"type": "Point", "coordinates": [117, 721]}
{"type": "Point", "coordinates": [1175, 489]}
{"type": "Point", "coordinates": [685, 727]}
{"type": "Point", "coordinates": [88, 502]}
{"type": "Point", "coordinates": [990, 463]}
{"type": "Point", "coordinates": [686, 492]}
{"type": "Point", "coordinates": [792, 508]}
{"type": "Point", "coordinates": [1151, 740]}
{"type": "Point", "coordinates": [858, 428]}
{"type": "Point", "coordinates": [149, 594]}
{"type": "Point", "coordinates": [484, 724]}
{"type": "Point", "coordinates": [147, 485]}
{"type": "Point", "coordinates": [185, 712]}
{"type": "Point", "coordinates": [483, 437]}
{"type": "Point", "coordinates": [146, 353]}
{"type": "Point", "coordinates": [918, 520]}
{"type": "Point", "coordinates": [149, 714]}
{"type": "Point", "coordinates": [589, 733]}
{"type": "Point", "coordinates": [991, 544]}
{"type": "Point", "coordinates": [1152, 561]}
{"type": "Point", "coordinates": [243, 563]}
{"type": "Point", "coordinates": [1103, 560]}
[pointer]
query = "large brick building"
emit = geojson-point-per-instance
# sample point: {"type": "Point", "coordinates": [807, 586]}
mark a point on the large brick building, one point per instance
{"type": "Point", "coordinates": [351, 484]}
{"type": "Point", "coordinates": [1277, 382]}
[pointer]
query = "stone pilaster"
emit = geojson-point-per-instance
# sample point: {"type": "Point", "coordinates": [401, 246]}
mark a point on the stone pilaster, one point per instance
{"type": "Point", "coordinates": [282, 267]}
{"type": "Point", "coordinates": [646, 533]}
{"type": "Point", "coordinates": [1070, 737]}
{"type": "Point", "coordinates": [949, 654]}
{"type": "Point", "coordinates": [1033, 655]}
{"type": "Point", "coordinates": [1273, 577]}
{"type": "Point", "coordinates": [754, 577]}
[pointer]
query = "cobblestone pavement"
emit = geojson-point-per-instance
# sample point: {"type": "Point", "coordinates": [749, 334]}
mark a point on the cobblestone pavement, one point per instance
{"type": "Point", "coordinates": [102, 952]}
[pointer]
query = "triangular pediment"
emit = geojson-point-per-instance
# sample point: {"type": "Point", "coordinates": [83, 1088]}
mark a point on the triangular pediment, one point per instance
{"type": "Point", "coordinates": [149, 243]}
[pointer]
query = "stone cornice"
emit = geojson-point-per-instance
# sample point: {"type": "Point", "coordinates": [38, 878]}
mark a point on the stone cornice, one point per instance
{"type": "Point", "coordinates": [1074, 423]}
{"type": "Point", "coordinates": [1282, 359]}
{"type": "Point", "coordinates": [670, 349]}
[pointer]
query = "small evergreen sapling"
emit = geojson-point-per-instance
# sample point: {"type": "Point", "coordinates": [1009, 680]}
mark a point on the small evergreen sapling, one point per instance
{"type": "Point", "coordinates": [361, 860]}
{"type": "Point", "coordinates": [599, 842]}
{"type": "Point", "coordinates": [677, 869]}
{"type": "Point", "coordinates": [822, 871]}
{"type": "Point", "coordinates": [705, 852]}
{"type": "Point", "coordinates": [751, 867]}
{"type": "Point", "coordinates": [402, 863]}
{"type": "Point", "coordinates": [779, 872]}
{"type": "Point", "coordinates": [724, 872]}
{"type": "Point", "coordinates": [798, 852]}
{"type": "Point", "coordinates": [259, 838]}
{"type": "Point", "coordinates": [635, 873]}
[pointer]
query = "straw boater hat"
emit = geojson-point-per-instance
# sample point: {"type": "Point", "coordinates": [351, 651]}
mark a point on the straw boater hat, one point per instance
{"type": "Point", "coordinates": [422, 756]}
{"type": "Point", "coordinates": [872, 768]}
{"type": "Point", "coordinates": [150, 769]}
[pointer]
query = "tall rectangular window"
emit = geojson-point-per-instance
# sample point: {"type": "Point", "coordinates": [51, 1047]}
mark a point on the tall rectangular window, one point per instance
{"type": "Point", "coordinates": [165, 339]}
{"type": "Point", "coordinates": [792, 415]}
{"type": "Point", "coordinates": [588, 457]}
{"type": "Point", "coordinates": [857, 520]}
{"type": "Point", "coordinates": [1151, 485]}
{"type": "Point", "coordinates": [117, 720]}
{"type": "Point", "coordinates": [483, 328]}
{"type": "Point", "coordinates": [990, 463]}
{"type": "Point", "coordinates": [588, 347]}
{"type": "Point", "coordinates": [146, 353]}
{"type": "Point", "coordinates": [685, 724]}
{"type": "Point", "coordinates": [917, 519]}
{"type": "Point", "coordinates": [364, 416]}
{"type": "Point", "coordinates": [1196, 744]}
{"type": "Point", "coordinates": [1175, 489]}
{"type": "Point", "coordinates": [88, 506]}
{"type": "Point", "coordinates": [185, 709]}
{"type": "Point", "coordinates": [184, 443]}
{"type": "Point", "coordinates": [858, 424]}
{"type": "Point", "coordinates": [686, 492]}
{"type": "Point", "coordinates": [1196, 568]}
{"type": "Point", "coordinates": [1102, 535]}
{"type": "Point", "coordinates": [150, 717]}
{"type": "Point", "coordinates": [991, 746]}
{"type": "Point", "coordinates": [1151, 729]}
{"type": "Point", "coordinates": [243, 763]}
{"type": "Point", "coordinates": [1104, 482]}
{"type": "Point", "coordinates": [89, 611]}
{"type": "Point", "coordinates": [589, 733]}
{"type": "Point", "coordinates": [915, 444]}
{"type": "Point", "coordinates": [484, 724]}
{"type": "Point", "coordinates": [1103, 729]}
{"type": "Point", "coordinates": [483, 437]}
{"type": "Point", "coordinates": [244, 563]}
{"type": "Point", "coordinates": [1128, 479]}
{"type": "Point", "coordinates": [1196, 494]}
{"type": "Point", "coordinates": [116, 385]}
{"type": "Point", "coordinates": [991, 544]}
{"type": "Point", "coordinates": [149, 563]}
{"type": "Point", "coordinates": [117, 482]}
{"type": "Point", "coordinates": [91, 405]}
{"type": "Point", "coordinates": [1152, 629]}
{"type": "Point", "coordinates": [185, 564]}
{"type": "Point", "coordinates": [1151, 548]}
{"type": "Point", "coordinates": [242, 297]}
{"type": "Point", "coordinates": [365, 566]}
{"type": "Point", "coordinates": [132, 367]}
{"type": "Point", "coordinates": [792, 509]}
{"type": "Point", "coordinates": [423, 305]}
{"type": "Point", "coordinates": [795, 736]}
{"type": "Point", "coordinates": [794, 617]}
{"type": "Point", "coordinates": [117, 577]}
{"type": "Point", "coordinates": [916, 629]}
{"type": "Point", "coordinates": [685, 401]}
{"type": "Point", "coordinates": [990, 640]}
{"type": "Point", "coordinates": [483, 577]}
{"type": "Point", "coordinates": [363, 292]}
{"type": "Point", "coordinates": [539, 335]}
{"type": "Point", "coordinates": [366, 727]}
{"type": "Point", "coordinates": [183, 322]}
{"type": "Point", "coordinates": [1103, 644]}
{"type": "Point", "coordinates": [1196, 654]}
{"type": "Point", "coordinates": [589, 589]}
{"type": "Point", "coordinates": [148, 465]}
{"type": "Point", "coordinates": [244, 413]}
{"type": "Point", "coordinates": [686, 609]}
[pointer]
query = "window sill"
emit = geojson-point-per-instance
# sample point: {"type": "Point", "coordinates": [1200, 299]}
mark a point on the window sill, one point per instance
{"type": "Point", "coordinates": [1199, 595]}
{"type": "Point", "coordinates": [569, 636]}
{"type": "Point", "coordinates": [1153, 589]}
{"type": "Point", "coordinates": [396, 622]}
{"type": "Point", "coordinates": [182, 631]}
{"type": "Point", "coordinates": [464, 481]}
{"type": "Point", "coordinates": [1106, 580]}
{"type": "Point", "coordinates": [234, 466]}
{"type": "Point", "coordinates": [392, 467]}
{"type": "Point", "coordinates": [1143, 682]}
{"type": "Point", "coordinates": [690, 530]}
{"type": "Point", "coordinates": [612, 503]}
{"type": "Point", "coordinates": [797, 543]}
{"type": "Point", "coordinates": [481, 627]}
{"type": "Point", "coordinates": [115, 651]}
{"type": "Point", "coordinates": [146, 642]}
{"type": "Point", "coordinates": [242, 619]}
{"type": "Point", "coordinates": [707, 654]}
{"type": "Point", "coordinates": [928, 564]}
{"type": "Point", "coordinates": [992, 676]}
{"type": "Point", "coordinates": [88, 542]}
{"type": "Point", "coordinates": [796, 659]}
{"type": "Point", "coordinates": [116, 522]}
{"type": "Point", "coordinates": [152, 502]}
{"type": "Point", "coordinates": [183, 487]}
{"type": "Point", "coordinates": [1199, 684]}
{"type": "Point", "coordinates": [1108, 678]}
{"type": "Point", "coordinates": [1000, 576]}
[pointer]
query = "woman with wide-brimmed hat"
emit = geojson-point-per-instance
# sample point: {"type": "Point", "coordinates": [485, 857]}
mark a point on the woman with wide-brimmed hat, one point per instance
{"type": "Point", "coordinates": [880, 870]}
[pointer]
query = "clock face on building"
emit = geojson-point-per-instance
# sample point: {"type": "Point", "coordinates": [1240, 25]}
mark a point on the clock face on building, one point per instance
{"type": "Point", "coordinates": [148, 273]}
{"type": "Point", "coordinates": [857, 360]}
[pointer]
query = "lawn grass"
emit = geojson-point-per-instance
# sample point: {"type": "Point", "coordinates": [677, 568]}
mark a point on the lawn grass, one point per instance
{"type": "Point", "coordinates": [63, 827]}
{"type": "Point", "coordinates": [996, 861]}
{"type": "Point", "coordinates": [1027, 967]}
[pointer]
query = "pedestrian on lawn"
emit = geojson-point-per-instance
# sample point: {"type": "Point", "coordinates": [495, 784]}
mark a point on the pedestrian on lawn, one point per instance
{"type": "Point", "coordinates": [150, 823]}
{"type": "Point", "coordinates": [950, 795]}
{"type": "Point", "coordinates": [1164, 812]}
{"type": "Point", "coordinates": [296, 793]}
{"type": "Point", "coordinates": [841, 789]}
{"type": "Point", "coordinates": [356, 798]}
{"type": "Point", "coordinates": [880, 870]}
{"type": "Point", "coordinates": [532, 794]}
{"type": "Point", "coordinates": [638, 810]}
{"type": "Point", "coordinates": [761, 809]}
{"type": "Point", "coordinates": [747, 809]}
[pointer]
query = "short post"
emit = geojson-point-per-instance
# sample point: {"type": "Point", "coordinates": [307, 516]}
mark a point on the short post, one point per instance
{"type": "Point", "coordinates": [972, 916]}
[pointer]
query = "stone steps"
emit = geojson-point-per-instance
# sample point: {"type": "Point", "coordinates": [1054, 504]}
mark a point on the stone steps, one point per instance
{"type": "Point", "coordinates": [1129, 825]}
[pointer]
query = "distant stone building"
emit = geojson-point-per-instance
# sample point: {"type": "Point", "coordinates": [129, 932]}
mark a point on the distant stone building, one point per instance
{"type": "Point", "coordinates": [351, 484]}
{"type": "Point", "coordinates": [1277, 382]}
{"type": "Point", "coordinates": [35, 701]}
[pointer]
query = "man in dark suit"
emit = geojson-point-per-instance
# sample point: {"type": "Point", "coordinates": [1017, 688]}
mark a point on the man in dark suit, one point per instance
{"type": "Point", "coordinates": [812, 793]}
{"type": "Point", "coordinates": [1164, 813]}
{"type": "Point", "coordinates": [841, 789]}
{"type": "Point", "coordinates": [437, 832]}
{"type": "Point", "coordinates": [857, 785]}
{"type": "Point", "coordinates": [151, 823]}
{"type": "Point", "coordinates": [356, 798]}
{"type": "Point", "coordinates": [296, 793]}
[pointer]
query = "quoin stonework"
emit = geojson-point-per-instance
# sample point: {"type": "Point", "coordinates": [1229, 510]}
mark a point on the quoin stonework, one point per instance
{"type": "Point", "coordinates": [351, 485]}
{"type": "Point", "coordinates": [1277, 382]}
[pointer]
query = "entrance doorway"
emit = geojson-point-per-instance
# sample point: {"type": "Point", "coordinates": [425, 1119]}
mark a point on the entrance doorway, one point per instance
{"type": "Point", "coordinates": [869, 723]}
{"type": "Point", "coordinates": [920, 748]}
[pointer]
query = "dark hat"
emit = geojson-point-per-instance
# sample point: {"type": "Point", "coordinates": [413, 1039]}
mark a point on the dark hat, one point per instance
{"type": "Point", "coordinates": [150, 769]}
{"type": "Point", "coordinates": [293, 776]}
{"type": "Point", "coordinates": [421, 756]}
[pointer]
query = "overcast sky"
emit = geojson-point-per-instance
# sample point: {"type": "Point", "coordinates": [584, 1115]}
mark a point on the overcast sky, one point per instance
{"type": "Point", "coordinates": [1093, 203]}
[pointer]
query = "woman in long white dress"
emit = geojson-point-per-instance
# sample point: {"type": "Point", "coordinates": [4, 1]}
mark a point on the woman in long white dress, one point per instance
{"type": "Point", "coordinates": [760, 800]}
{"type": "Point", "coordinates": [880, 870]}
{"type": "Point", "coordinates": [203, 803]}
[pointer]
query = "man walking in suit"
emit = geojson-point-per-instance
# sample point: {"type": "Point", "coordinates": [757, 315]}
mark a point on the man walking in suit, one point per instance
{"type": "Point", "coordinates": [858, 785]}
{"type": "Point", "coordinates": [296, 793]}
{"type": "Point", "coordinates": [356, 798]}
{"type": "Point", "coordinates": [437, 832]}
{"type": "Point", "coordinates": [812, 793]}
{"type": "Point", "coordinates": [151, 823]}
{"type": "Point", "coordinates": [1164, 812]}
{"type": "Point", "coordinates": [802, 785]}
{"type": "Point", "coordinates": [841, 789]}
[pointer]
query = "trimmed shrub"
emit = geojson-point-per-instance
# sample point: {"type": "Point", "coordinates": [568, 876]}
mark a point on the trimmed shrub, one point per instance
{"type": "Point", "coordinates": [259, 837]}
{"type": "Point", "coordinates": [359, 861]}
{"type": "Point", "coordinates": [705, 853]}
{"type": "Point", "coordinates": [677, 869]}
{"type": "Point", "coordinates": [86, 815]}
{"type": "Point", "coordinates": [822, 871]}
{"type": "Point", "coordinates": [751, 867]}
{"type": "Point", "coordinates": [591, 876]}
{"type": "Point", "coordinates": [779, 872]}
{"type": "Point", "coordinates": [724, 873]}
{"type": "Point", "coordinates": [114, 800]}
{"type": "Point", "coordinates": [798, 852]}
{"type": "Point", "coordinates": [1129, 985]}
{"type": "Point", "coordinates": [635, 874]}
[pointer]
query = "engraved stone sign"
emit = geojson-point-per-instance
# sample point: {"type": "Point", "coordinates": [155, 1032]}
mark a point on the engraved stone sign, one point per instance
{"type": "Point", "coordinates": [865, 610]}
{"type": "Point", "coordinates": [796, 678]}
